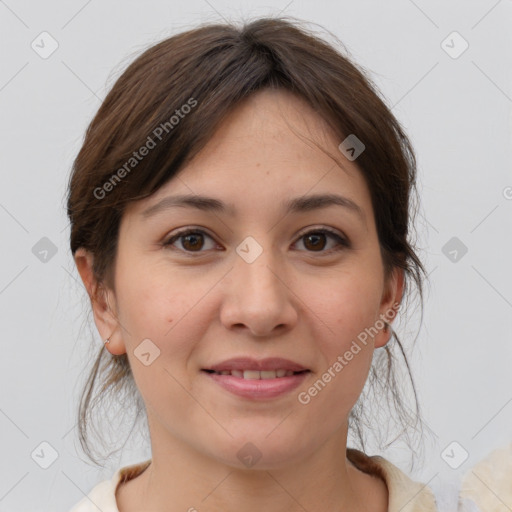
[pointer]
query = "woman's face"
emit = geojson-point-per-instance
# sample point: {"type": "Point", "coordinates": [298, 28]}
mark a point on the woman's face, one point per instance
{"type": "Point", "coordinates": [259, 277]}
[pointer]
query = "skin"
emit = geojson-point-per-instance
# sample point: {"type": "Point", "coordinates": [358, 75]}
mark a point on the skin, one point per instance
{"type": "Point", "coordinates": [297, 300]}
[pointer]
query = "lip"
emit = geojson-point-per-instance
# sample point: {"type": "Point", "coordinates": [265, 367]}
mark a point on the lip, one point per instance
{"type": "Point", "coordinates": [249, 363]}
{"type": "Point", "coordinates": [258, 389]}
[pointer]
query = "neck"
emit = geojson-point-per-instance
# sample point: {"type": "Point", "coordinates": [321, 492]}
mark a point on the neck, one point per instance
{"type": "Point", "coordinates": [185, 479]}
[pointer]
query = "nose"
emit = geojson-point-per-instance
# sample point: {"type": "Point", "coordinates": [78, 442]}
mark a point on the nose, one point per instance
{"type": "Point", "coordinates": [257, 297]}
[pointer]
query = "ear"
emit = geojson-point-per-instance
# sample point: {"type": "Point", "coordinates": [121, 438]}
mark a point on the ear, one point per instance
{"type": "Point", "coordinates": [101, 299]}
{"type": "Point", "coordinates": [390, 304]}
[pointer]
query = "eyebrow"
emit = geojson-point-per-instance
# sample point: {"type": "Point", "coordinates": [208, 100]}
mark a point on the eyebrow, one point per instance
{"type": "Point", "coordinates": [295, 205]}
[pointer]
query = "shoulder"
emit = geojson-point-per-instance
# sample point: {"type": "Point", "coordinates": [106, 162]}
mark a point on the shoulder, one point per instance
{"type": "Point", "coordinates": [405, 494]}
{"type": "Point", "coordinates": [488, 484]}
{"type": "Point", "coordinates": [103, 495]}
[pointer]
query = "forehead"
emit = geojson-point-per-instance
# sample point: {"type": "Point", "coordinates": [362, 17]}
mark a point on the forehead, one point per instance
{"type": "Point", "coordinates": [274, 115]}
{"type": "Point", "coordinates": [266, 151]}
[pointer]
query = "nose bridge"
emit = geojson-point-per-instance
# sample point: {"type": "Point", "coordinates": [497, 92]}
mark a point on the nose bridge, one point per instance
{"type": "Point", "coordinates": [257, 268]}
{"type": "Point", "coordinates": [257, 295]}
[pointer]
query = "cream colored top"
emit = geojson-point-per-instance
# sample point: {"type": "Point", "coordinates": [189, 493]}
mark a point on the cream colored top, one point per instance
{"type": "Point", "coordinates": [488, 484]}
{"type": "Point", "coordinates": [405, 495]}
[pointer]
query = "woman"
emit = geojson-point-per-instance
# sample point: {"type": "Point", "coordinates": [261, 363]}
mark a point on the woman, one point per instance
{"type": "Point", "coordinates": [240, 217]}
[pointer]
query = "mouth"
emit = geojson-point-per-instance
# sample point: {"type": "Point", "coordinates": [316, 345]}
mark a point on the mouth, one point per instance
{"type": "Point", "coordinates": [255, 374]}
{"type": "Point", "coordinates": [254, 379]}
{"type": "Point", "coordinates": [250, 368]}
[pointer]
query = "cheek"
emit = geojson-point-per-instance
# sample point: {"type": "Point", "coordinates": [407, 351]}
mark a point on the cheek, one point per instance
{"type": "Point", "coordinates": [147, 298]}
{"type": "Point", "coordinates": [170, 309]}
{"type": "Point", "coordinates": [345, 306]}
{"type": "Point", "coordinates": [150, 309]}
{"type": "Point", "coordinates": [345, 309]}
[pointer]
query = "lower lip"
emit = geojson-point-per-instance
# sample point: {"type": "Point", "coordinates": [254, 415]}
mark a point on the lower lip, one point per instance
{"type": "Point", "coordinates": [258, 388]}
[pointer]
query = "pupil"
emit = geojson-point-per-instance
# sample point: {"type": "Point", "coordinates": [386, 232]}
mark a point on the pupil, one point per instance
{"type": "Point", "coordinates": [194, 238]}
{"type": "Point", "coordinates": [315, 237]}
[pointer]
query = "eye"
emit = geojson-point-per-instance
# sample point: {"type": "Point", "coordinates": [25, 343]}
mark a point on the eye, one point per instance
{"type": "Point", "coordinates": [316, 240]}
{"type": "Point", "coordinates": [193, 240]}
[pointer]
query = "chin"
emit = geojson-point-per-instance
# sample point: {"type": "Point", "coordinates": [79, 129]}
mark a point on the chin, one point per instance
{"type": "Point", "coordinates": [261, 451]}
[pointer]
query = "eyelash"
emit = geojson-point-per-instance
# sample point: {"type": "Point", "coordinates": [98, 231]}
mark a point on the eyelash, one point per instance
{"type": "Point", "coordinates": [343, 242]}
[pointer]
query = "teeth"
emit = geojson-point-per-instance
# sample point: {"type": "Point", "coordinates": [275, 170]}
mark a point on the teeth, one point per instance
{"type": "Point", "coordinates": [255, 375]}
{"type": "Point", "coordinates": [251, 374]}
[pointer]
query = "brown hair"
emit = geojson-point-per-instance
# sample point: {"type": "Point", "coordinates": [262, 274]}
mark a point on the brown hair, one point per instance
{"type": "Point", "coordinates": [212, 68]}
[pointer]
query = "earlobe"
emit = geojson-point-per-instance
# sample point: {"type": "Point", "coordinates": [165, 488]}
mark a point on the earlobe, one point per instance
{"type": "Point", "coordinates": [104, 317]}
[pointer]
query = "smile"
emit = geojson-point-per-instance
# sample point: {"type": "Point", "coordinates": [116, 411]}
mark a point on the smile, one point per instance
{"type": "Point", "coordinates": [255, 375]}
{"type": "Point", "coordinates": [257, 385]}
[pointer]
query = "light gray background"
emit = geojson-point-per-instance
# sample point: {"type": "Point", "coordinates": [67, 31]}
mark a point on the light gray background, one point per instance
{"type": "Point", "coordinates": [457, 112]}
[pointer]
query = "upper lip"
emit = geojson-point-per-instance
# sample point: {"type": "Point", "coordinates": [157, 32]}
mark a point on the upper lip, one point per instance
{"type": "Point", "coordinates": [249, 363]}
